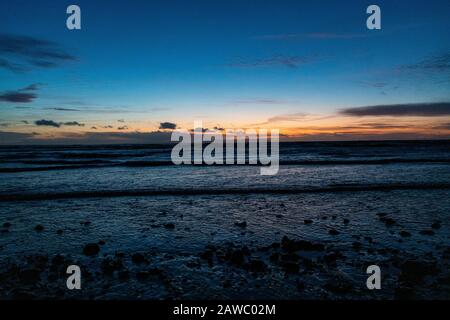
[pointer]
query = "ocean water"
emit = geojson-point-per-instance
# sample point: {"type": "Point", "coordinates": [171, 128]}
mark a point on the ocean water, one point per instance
{"type": "Point", "coordinates": [384, 203]}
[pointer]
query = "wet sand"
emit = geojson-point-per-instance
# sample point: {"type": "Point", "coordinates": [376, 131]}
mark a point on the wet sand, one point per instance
{"type": "Point", "coordinates": [251, 246]}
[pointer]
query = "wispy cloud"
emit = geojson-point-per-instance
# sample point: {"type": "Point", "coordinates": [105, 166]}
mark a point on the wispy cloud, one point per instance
{"type": "Point", "coordinates": [431, 109]}
{"type": "Point", "coordinates": [277, 60]}
{"type": "Point", "coordinates": [435, 63]}
{"type": "Point", "coordinates": [314, 35]}
{"type": "Point", "coordinates": [63, 109]}
{"type": "Point", "coordinates": [23, 95]}
{"type": "Point", "coordinates": [288, 117]}
{"type": "Point", "coordinates": [17, 97]}
{"type": "Point", "coordinates": [258, 101]}
{"type": "Point", "coordinates": [14, 67]}
{"type": "Point", "coordinates": [443, 126]}
{"type": "Point", "coordinates": [30, 51]}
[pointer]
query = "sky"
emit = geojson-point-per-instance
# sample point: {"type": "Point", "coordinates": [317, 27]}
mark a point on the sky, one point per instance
{"type": "Point", "coordinates": [139, 69]}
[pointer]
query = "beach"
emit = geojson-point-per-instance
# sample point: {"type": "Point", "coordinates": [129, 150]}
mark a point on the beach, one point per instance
{"type": "Point", "coordinates": [141, 228]}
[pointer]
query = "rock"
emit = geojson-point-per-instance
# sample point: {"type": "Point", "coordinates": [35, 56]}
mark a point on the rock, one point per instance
{"type": "Point", "coordinates": [39, 228]}
{"type": "Point", "coordinates": [427, 232]}
{"type": "Point", "coordinates": [436, 225]}
{"type": "Point", "coordinates": [293, 257]}
{"type": "Point", "coordinates": [388, 221]}
{"type": "Point", "coordinates": [333, 232]}
{"type": "Point", "coordinates": [356, 245]}
{"type": "Point", "coordinates": [110, 265]}
{"type": "Point", "coordinates": [169, 226]}
{"type": "Point", "coordinates": [257, 266]}
{"type": "Point", "coordinates": [290, 267]}
{"type": "Point", "coordinates": [274, 257]}
{"type": "Point", "coordinates": [242, 224]}
{"type": "Point", "coordinates": [138, 258]}
{"type": "Point", "coordinates": [339, 287]}
{"type": "Point", "coordinates": [207, 254]}
{"type": "Point", "coordinates": [405, 233]}
{"type": "Point", "coordinates": [29, 276]}
{"type": "Point", "coordinates": [155, 272]}
{"type": "Point", "coordinates": [237, 257]}
{"type": "Point", "coordinates": [193, 264]}
{"type": "Point", "coordinates": [307, 221]}
{"type": "Point", "coordinates": [413, 272]}
{"type": "Point", "coordinates": [57, 260]}
{"type": "Point", "coordinates": [332, 257]}
{"type": "Point", "coordinates": [404, 293]}
{"type": "Point", "coordinates": [297, 245]}
{"type": "Point", "coordinates": [142, 275]}
{"type": "Point", "coordinates": [91, 249]}
{"type": "Point", "coordinates": [300, 285]}
{"type": "Point", "coordinates": [124, 275]}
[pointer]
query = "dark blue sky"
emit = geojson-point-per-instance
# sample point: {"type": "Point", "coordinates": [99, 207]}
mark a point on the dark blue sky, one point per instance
{"type": "Point", "coordinates": [229, 63]}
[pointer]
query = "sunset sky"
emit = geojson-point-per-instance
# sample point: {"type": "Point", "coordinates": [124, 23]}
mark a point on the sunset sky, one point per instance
{"type": "Point", "coordinates": [137, 69]}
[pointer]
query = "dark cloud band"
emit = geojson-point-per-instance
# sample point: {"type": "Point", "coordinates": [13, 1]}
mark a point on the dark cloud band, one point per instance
{"type": "Point", "coordinates": [399, 110]}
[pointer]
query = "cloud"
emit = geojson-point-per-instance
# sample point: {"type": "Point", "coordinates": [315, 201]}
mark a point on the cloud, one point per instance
{"type": "Point", "coordinates": [436, 63]}
{"type": "Point", "coordinates": [31, 51]}
{"type": "Point", "coordinates": [22, 95]}
{"type": "Point", "coordinates": [432, 109]}
{"type": "Point", "coordinates": [318, 35]}
{"type": "Point", "coordinates": [289, 117]}
{"type": "Point", "coordinates": [32, 87]}
{"type": "Point", "coordinates": [17, 97]}
{"type": "Point", "coordinates": [73, 123]}
{"type": "Point", "coordinates": [63, 109]}
{"type": "Point", "coordinates": [377, 85]}
{"type": "Point", "coordinates": [259, 101]}
{"type": "Point", "coordinates": [362, 136]}
{"type": "Point", "coordinates": [47, 123]}
{"type": "Point", "coordinates": [443, 126]}
{"type": "Point", "coordinates": [5, 64]}
{"type": "Point", "coordinates": [167, 125]}
{"type": "Point", "coordinates": [51, 123]}
{"type": "Point", "coordinates": [203, 130]}
{"type": "Point", "coordinates": [331, 35]}
{"type": "Point", "coordinates": [278, 60]}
